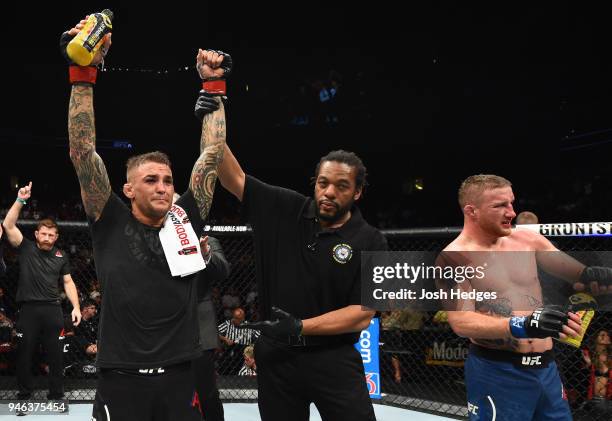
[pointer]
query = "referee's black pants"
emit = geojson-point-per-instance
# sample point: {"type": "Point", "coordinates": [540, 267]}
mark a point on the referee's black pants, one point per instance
{"type": "Point", "coordinates": [44, 321]}
{"type": "Point", "coordinates": [206, 386]}
{"type": "Point", "coordinates": [330, 376]}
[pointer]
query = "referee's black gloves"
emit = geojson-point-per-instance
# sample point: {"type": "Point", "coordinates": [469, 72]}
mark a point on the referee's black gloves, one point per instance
{"type": "Point", "coordinates": [281, 323]}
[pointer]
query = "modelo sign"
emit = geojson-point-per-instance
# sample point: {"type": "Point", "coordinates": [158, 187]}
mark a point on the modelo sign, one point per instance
{"type": "Point", "coordinates": [450, 353]}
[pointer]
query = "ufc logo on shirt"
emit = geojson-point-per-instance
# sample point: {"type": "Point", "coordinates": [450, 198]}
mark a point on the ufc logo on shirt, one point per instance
{"type": "Point", "coordinates": [530, 361]}
{"type": "Point", "coordinates": [535, 319]}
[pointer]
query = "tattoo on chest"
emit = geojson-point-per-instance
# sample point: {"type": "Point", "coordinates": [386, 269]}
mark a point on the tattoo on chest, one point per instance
{"type": "Point", "coordinates": [532, 301]}
{"type": "Point", "coordinates": [508, 343]}
{"type": "Point", "coordinates": [498, 307]}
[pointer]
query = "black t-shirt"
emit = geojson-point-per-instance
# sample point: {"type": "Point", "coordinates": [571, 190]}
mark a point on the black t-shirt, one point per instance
{"type": "Point", "coordinates": [148, 317]}
{"type": "Point", "coordinates": [39, 272]}
{"type": "Point", "coordinates": [302, 268]}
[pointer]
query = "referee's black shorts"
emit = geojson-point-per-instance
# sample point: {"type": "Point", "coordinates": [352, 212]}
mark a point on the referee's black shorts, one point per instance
{"type": "Point", "coordinates": [330, 376]}
{"type": "Point", "coordinates": [127, 395]}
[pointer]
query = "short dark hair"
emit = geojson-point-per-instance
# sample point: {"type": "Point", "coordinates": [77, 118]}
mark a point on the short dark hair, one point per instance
{"type": "Point", "coordinates": [349, 158]}
{"type": "Point", "coordinates": [88, 303]}
{"type": "Point", "coordinates": [48, 223]}
{"type": "Point", "coordinates": [138, 160]}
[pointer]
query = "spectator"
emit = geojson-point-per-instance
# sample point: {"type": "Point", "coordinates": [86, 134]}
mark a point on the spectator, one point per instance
{"type": "Point", "coordinates": [235, 339]}
{"type": "Point", "coordinates": [249, 368]}
{"type": "Point", "coordinates": [230, 301]}
{"type": "Point", "coordinates": [7, 333]}
{"type": "Point", "coordinates": [96, 297]}
{"type": "Point", "coordinates": [393, 324]}
{"type": "Point", "coordinates": [526, 217]}
{"type": "Point", "coordinates": [598, 359]}
{"type": "Point", "coordinates": [87, 331]}
{"type": "Point", "coordinates": [5, 305]}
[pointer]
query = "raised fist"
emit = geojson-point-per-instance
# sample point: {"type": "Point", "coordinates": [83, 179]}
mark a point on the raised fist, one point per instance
{"type": "Point", "coordinates": [25, 192]}
{"type": "Point", "coordinates": [213, 64]}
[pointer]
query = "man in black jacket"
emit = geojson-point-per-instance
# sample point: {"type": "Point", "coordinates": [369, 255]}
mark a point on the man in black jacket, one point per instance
{"type": "Point", "coordinates": [217, 270]}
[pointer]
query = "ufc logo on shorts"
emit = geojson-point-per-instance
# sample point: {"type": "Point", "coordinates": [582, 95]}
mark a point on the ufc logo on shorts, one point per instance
{"type": "Point", "coordinates": [532, 360]}
{"type": "Point", "coordinates": [472, 409]}
{"type": "Point", "coordinates": [535, 318]}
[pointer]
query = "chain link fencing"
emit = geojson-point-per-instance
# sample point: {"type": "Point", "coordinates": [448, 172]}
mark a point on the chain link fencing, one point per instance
{"type": "Point", "coordinates": [421, 359]}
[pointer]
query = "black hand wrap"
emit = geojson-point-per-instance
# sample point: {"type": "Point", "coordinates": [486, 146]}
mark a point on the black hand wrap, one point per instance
{"type": "Point", "coordinates": [544, 322]}
{"type": "Point", "coordinates": [282, 323]}
{"type": "Point", "coordinates": [65, 38]}
{"type": "Point", "coordinates": [226, 64]}
{"type": "Point", "coordinates": [206, 103]}
{"type": "Point", "coordinates": [600, 274]}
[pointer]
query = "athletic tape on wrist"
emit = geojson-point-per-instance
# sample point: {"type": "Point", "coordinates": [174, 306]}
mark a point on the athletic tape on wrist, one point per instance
{"type": "Point", "coordinates": [517, 327]}
{"type": "Point", "coordinates": [83, 74]}
{"type": "Point", "coordinates": [215, 87]}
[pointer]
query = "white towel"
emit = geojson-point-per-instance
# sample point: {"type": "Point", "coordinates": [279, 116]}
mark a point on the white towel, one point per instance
{"type": "Point", "coordinates": [180, 243]}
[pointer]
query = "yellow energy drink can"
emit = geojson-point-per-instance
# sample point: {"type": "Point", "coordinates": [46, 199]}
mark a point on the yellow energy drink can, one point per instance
{"type": "Point", "coordinates": [84, 46]}
{"type": "Point", "coordinates": [584, 305]}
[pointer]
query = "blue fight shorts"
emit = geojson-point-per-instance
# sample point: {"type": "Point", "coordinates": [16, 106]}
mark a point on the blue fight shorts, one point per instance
{"type": "Point", "coordinates": [507, 386]}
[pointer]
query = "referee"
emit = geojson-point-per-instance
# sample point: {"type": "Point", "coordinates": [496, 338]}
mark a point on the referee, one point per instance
{"type": "Point", "coordinates": [41, 264]}
{"type": "Point", "coordinates": [231, 332]}
{"type": "Point", "coordinates": [308, 264]}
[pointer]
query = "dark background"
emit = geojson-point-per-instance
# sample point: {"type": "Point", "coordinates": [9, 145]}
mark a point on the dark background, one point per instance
{"type": "Point", "coordinates": [437, 91]}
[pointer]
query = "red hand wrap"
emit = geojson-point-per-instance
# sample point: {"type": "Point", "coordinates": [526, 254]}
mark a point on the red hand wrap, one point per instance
{"type": "Point", "coordinates": [85, 74]}
{"type": "Point", "coordinates": [215, 87]}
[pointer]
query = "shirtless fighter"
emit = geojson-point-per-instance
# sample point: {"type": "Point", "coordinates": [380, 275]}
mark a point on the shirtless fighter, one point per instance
{"type": "Point", "coordinates": [510, 373]}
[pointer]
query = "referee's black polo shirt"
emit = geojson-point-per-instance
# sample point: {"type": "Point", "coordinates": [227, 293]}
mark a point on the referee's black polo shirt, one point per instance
{"type": "Point", "coordinates": [302, 268]}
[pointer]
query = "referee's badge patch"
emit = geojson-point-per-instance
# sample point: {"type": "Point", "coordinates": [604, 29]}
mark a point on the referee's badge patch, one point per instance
{"type": "Point", "coordinates": [342, 253]}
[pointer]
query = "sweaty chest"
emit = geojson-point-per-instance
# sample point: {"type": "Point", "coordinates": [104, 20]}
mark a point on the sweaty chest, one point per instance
{"type": "Point", "coordinates": [514, 277]}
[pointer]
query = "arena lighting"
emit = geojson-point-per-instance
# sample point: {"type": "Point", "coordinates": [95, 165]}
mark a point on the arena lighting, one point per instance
{"type": "Point", "coordinates": [419, 184]}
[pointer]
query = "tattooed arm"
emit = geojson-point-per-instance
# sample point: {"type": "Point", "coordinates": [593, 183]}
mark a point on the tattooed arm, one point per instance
{"type": "Point", "coordinates": [93, 178]}
{"type": "Point", "coordinates": [204, 173]}
{"type": "Point", "coordinates": [472, 324]}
